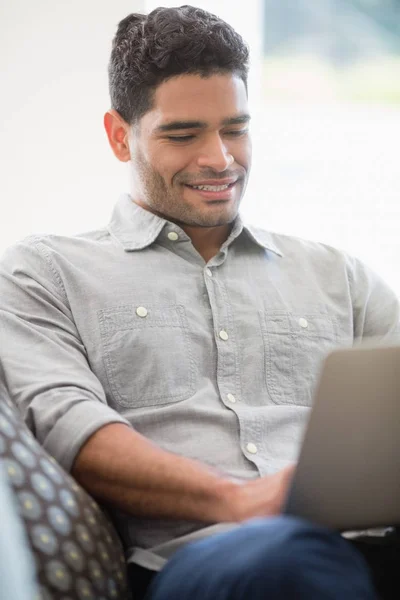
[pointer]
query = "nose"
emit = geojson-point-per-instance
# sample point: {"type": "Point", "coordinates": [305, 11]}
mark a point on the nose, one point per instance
{"type": "Point", "coordinates": [215, 155]}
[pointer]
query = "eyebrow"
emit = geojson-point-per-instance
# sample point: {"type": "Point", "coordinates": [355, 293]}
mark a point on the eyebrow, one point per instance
{"type": "Point", "coordinates": [176, 125]}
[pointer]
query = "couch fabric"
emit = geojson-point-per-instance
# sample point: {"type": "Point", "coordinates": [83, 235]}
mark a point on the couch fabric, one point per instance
{"type": "Point", "coordinates": [77, 553]}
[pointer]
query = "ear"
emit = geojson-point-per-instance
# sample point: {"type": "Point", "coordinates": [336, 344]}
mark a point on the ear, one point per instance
{"type": "Point", "coordinates": [118, 135]}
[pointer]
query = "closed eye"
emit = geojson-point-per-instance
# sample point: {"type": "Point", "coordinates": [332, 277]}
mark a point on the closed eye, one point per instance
{"type": "Point", "coordinates": [189, 137]}
{"type": "Point", "coordinates": [237, 132]}
{"type": "Point", "coordinates": [180, 138]}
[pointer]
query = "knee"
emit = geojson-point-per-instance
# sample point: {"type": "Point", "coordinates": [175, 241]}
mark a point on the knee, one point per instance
{"type": "Point", "coordinates": [281, 557]}
{"type": "Point", "coordinates": [294, 542]}
{"type": "Point", "coordinates": [278, 547]}
{"type": "Point", "coordinates": [291, 558]}
{"type": "Point", "coordinates": [295, 558]}
{"type": "Point", "coordinates": [264, 540]}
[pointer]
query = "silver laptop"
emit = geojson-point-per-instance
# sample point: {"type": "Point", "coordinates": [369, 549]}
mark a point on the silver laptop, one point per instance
{"type": "Point", "coordinates": [348, 473]}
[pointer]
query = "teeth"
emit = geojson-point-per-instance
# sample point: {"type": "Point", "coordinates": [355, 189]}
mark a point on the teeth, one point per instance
{"type": "Point", "coordinates": [211, 188]}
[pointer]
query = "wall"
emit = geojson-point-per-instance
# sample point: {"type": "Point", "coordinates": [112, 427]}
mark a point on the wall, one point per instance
{"type": "Point", "coordinates": [58, 172]}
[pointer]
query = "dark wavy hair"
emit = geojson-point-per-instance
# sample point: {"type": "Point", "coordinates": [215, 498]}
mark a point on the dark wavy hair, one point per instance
{"type": "Point", "coordinates": [149, 49]}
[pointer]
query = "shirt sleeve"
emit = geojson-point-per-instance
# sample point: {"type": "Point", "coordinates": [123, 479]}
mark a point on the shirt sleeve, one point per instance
{"type": "Point", "coordinates": [44, 360]}
{"type": "Point", "coordinates": [376, 309]}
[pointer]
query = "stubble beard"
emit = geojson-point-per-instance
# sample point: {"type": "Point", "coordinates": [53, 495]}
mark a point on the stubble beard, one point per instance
{"type": "Point", "coordinates": [169, 203]}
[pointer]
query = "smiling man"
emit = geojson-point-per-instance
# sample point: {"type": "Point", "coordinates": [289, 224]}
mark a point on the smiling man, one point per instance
{"type": "Point", "coordinates": [168, 360]}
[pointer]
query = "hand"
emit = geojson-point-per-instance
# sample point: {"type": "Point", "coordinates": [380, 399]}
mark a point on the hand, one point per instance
{"type": "Point", "coordinates": [261, 497]}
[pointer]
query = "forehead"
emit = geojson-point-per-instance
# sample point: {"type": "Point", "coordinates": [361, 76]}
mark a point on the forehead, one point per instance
{"type": "Point", "coordinates": [192, 97]}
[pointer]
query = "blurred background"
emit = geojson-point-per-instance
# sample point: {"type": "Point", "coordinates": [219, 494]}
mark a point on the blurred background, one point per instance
{"type": "Point", "coordinates": [325, 99]}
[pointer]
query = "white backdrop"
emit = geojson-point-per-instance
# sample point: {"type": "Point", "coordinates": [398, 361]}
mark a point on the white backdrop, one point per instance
{"type": "Point", "coordinates": [58, 173]}
{"type": "Point", "coordinates": [325, 172]}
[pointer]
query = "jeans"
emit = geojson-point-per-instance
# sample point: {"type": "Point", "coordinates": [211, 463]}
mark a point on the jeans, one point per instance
{"type": "Point", "coordinates": [279, 558]}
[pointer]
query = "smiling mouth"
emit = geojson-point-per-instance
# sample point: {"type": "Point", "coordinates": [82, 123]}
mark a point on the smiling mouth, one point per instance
{"type": "Point", "coordinates": [211, 188]}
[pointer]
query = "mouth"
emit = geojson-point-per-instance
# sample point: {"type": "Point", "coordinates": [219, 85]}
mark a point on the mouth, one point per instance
{"type": "Point", "coordinates": [214, 191]}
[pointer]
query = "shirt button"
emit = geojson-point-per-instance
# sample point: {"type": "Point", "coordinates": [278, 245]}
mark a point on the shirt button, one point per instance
{"type": "Point", "coordinates": [173, 236]}
{"type": "Point", "coordinates": [303, 323]}
{"type": "Point", "coordinates": [141, 311]}
{"type": "Point", "coordinates": [231, 398]}
{"type": "Point", "coordinates": [223, 335]}
{"type": "Point", "coordinates": [209, 272]}
{"type": "Point", "coordinates": [252, 448]}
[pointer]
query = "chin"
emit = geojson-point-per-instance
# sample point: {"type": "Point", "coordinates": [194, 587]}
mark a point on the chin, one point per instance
{"type": "Point", "coordinates": [216, 221]}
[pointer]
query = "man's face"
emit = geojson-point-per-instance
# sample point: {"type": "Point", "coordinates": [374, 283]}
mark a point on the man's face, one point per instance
{"type": "Point", "coordinates": [191, 153]}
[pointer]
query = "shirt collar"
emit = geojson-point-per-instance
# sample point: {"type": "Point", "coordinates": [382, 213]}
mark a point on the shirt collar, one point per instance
{"type": "Point", "coordinates": [133, 226]}
{"type": "Point", "coordinates": [136, 228]}
{"type": "Point", "coordinates": [262, 238]}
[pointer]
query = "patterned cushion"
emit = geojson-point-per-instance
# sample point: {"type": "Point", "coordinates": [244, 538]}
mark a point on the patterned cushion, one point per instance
{"type": "Point", "coordinates": [77, 552]}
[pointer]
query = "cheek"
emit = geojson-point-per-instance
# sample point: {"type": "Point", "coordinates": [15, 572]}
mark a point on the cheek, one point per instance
{"type": "Point", "coordinates": [241, 152]}
{"type": "Point", "coordinates": [171, 161]}
{"type": "Point", "coordinates": [244, 153]}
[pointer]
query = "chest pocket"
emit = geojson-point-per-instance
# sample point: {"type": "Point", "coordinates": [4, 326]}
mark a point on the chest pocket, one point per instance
{"type": "Point", "coordinates": [295, 347]}
{"type": "Point", "coordinates": [147, 354]}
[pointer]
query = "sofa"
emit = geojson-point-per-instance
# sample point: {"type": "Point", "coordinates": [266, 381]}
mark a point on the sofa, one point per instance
{"type": "Point", "coordinates": [70, 542]}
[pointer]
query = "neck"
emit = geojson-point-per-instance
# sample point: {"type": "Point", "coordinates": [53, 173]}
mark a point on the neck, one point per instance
{"type": "Point", "coordinates": [207, 240]}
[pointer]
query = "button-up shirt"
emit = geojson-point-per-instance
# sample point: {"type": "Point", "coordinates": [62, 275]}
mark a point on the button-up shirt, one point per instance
{"type": "Point", "coordinates": [216, 362]}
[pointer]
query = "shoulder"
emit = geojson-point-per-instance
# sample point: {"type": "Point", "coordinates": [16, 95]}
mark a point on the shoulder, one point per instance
{"type": "Point", "coordinates": [319, 258]}
{"type": "Point", "coordinates": [40, 257]}
{"type": "Point", "coordinates": [291, 246]}
{"type": "Point", "coordinates": [48, 244]}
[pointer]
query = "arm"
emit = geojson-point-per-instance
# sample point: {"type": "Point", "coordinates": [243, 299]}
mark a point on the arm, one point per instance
{"type": "Point", "coordinates": [376, 309]}
{"type": "Point", "coordinates": [44, 360]}
{"type": "Point", "coordinates": [121, 467]}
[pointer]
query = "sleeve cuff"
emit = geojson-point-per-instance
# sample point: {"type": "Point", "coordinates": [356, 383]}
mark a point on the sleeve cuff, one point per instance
{"type": "Point", "coordinates": [75, 427]}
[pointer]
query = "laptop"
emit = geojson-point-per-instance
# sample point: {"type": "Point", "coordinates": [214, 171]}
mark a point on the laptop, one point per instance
{"type": "Point", "coordinates": [348, 473]}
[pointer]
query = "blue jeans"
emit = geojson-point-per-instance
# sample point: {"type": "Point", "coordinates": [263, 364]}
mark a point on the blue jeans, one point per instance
{"type": "Point", "coordinates": [280, 558]}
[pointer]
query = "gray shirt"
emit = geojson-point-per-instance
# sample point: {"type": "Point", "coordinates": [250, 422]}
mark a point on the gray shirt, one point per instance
{"type": "Point", "coordinates": [214, 361]}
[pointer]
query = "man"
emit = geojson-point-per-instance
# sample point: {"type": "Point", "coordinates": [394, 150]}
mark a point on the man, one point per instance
{"type": "Point", "coordinates": [169, 359]}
